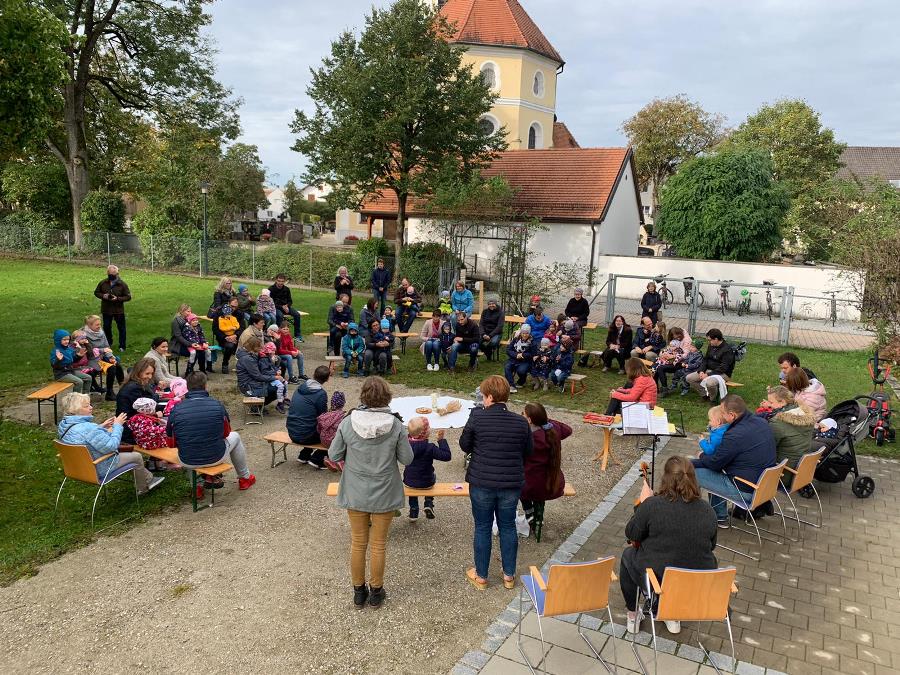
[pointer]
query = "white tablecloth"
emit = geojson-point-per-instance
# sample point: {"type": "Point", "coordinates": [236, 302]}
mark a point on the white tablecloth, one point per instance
{"type": "Point", "coordinates": [406, 408]}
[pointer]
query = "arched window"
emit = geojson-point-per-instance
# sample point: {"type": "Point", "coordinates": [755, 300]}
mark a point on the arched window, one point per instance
{"type": "Point", "coordinates": [538, 85]}
{"type": "Point", "coordinates": [490, 75]}
{"type": "Point", "coordinates": [487, 125]}
{"type": "Point", "coordinates": [535, 137]}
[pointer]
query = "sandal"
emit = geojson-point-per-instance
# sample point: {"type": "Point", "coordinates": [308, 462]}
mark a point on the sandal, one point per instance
{"type": "Point", "coordinates": [472, 576]}
{"type": "Point", "coordinates": [509, 582]}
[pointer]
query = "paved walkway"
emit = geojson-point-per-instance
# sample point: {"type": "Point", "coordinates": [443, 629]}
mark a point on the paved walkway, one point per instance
{"type": "Point", "coordinates": [828, 604]}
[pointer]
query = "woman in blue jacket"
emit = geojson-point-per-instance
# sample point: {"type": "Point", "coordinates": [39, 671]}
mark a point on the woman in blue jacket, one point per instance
{"type": "Point", "coordinates": [461, 300]}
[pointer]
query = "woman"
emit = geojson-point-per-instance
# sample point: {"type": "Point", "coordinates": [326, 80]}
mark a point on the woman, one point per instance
{"type": "Point", "coordinates": [227, 328]}
{"type": "Point", "coordinates": [159, 351]}
{"type": "Point", "coordinates": [498, 441]}
{"type": "Point", "coordinates": [223, 293]}
{"type": "Point", "coordinates": [62, 358]}
{"type": "Point", "coordinates": [253, 380]}
{"type": "Point", "coordinates": [78, 428]}
{"type": "Point", "coordinates": [177, 343]}
{"type": "Point", "coordinates": [642, 389]}
{"type": "Point", "coordinates": [370, 441]}
{"type": "Point", "coordinates": [431, 340]}
{"type": "Point", "coordinates": [97, 340]}
{"type": "Point", "coordinates": [810, 393]}
{"type": "Point", "coordinates": [138, 384]}
{"type": "Point", "coordinates": [578, 308]}
{"type": "Point", "coordinates": [366, 316]}
{"type": "Point", "coordinates": [792, 425]}
{"type": "Point", "coordinates": [461, 300]}
{"type": "Point", "coordinates": [256, 328]}
{"type": "Point", "coordinates": [343, 284]}
{"type": "Point", "coordinates": [672, 528]}
{"type": "Point", "coordinates": [651, 303]}
{"type": "Point", "coordinates": [618, 344]}
{"type": "Point", "coordinates": [544, 479]}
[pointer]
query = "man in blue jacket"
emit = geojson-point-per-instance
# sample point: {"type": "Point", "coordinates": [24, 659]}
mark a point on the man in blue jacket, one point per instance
{"type": "Point", "coordinates": [309, 401]}
{"type": "Point", "coordinates": [381, 280]}
{"type": "Point", "coordinates": [747, 449]}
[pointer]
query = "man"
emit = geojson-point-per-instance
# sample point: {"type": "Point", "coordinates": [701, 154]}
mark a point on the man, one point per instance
{"type": "Point", "coordinates": [719, 360]}
{"type": "Point", "coordinates": [113, 294]}
{"type": "Point", "coordinates": [400, 293]}
{"type": "Point", "coordinates": [647, 342]}
{"type": "Point", "coordinates": [408, 309]}
{"type": "Point", "coordinates": [281, 296]}
{"type": "Point", "coordinates": [492, 321]}
{"type": "Point", "coordinates": [381, 279]}
{"type": "Point", "coordinates": [790, 361]}
{"type": "Point", "coordinates": [747, 449]}
{"type": "Point", "coordinates": [308, 402]}
{"type": "Point", "coordinates": [468, 336]}
{"type": "Point", "coordinates": [199, 427]}
{"type": "Point", "coordinates": [539, 322]}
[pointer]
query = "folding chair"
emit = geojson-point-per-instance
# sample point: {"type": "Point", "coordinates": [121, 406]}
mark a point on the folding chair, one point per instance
{"type": "Point", "coordinates": [688, 595]}
{"type": "Point", "coordinates": [78, 465]}
{"type": "Point", "coordinates": [570, 588]}
{"type": "Point", "coordinates": [803, 478]}
{"type": "Point", "coordinates": [764, 490]}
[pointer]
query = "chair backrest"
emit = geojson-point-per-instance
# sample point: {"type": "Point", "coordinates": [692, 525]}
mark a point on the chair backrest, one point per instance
{"type": "Point", "coordinates": [578, 587]}
{"type": "Point", "coordinates": [768, 484]}
{"type": "Point", "coordinates": [806, 469]}
{"type": "Point", "coordinates": [77, 463]}
{"type": "Point", "coordinates": [695, 595]}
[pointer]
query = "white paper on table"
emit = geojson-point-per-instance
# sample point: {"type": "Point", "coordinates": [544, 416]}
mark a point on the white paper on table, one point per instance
{"type": "Point", "coordinates": [406, 408]}
{"type": "Point", "coordinates": [659, 424]}
{"type": "Point", "coordinates": [635, 418]}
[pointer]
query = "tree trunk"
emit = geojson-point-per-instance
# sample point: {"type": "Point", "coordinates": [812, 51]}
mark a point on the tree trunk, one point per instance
{"type": "Point", "coordinates": [75, 158]}
{"type": "Point", "coordinates": [401, 231]}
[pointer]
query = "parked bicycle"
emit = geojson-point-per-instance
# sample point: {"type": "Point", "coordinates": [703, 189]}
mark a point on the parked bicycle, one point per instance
{"type": "Point", "coordinates": [745, 303]}
{"type": "Point", "coordinates": [664, 292]}
{"type": "Point", "coordinates": [688, 292]}
{"type": "Point", "coordinates": [768, 283]}
{"type": "Point", "coordinates": [833, 315]}
{"type": "Point", "coordinates": [723, 294]}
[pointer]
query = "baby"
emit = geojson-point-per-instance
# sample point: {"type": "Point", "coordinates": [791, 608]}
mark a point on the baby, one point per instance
{"type": "Point", "coordinates": [717, 428]}
{"type": "Point", "coordinates": [420, 472]}
{"type": "Point", "coordinates": [270, 366]}
{"type": "Point", "coordinates": [827, 428]}
{"type": "Point", "coordinates": [266, 306]}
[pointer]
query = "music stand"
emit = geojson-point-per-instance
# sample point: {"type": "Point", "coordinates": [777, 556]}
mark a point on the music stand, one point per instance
{"type": "Point", "coordinates": [654, 437]}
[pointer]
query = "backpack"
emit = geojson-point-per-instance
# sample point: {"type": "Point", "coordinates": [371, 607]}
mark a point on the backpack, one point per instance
{"type": "Point", "coordinates": [327, 425]}
{"type": "Point", "coordinates": [740, 352]}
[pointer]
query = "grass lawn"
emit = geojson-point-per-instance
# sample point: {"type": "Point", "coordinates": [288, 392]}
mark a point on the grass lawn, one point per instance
{"type": "Point", "coordinates": [43, 296]}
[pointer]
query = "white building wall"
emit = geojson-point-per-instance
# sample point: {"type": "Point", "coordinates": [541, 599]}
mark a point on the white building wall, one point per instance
{"type": "Point", "coordinates": [275, 208]}
{"type": "Point", "coordinates": [319, 192]}
{"type": "Point", "coordinates": [620, 230]}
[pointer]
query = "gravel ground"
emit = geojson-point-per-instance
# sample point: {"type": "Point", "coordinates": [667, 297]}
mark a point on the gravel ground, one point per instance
{"type": "Point", "coordinates": [261, 581]}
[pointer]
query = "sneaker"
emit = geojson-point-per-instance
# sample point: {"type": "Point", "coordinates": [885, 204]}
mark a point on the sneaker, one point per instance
{"type": "Point", "coordinates": [360, 595]}
{"type": "Point", "coordinates": [546, 385]}
{"type": "Point", "coordinates": [376, 597]}
{"type": "Point", "coordinates": [414, 515]}
{"type": "Point", "coordinates": [436, 367]}
{"type": "Point", "coordinates": [634, 625]}
{"type": "Point", "coordinates": [472, 369]}
{"type": "Point", "coordinates": [345, 374]}
{"type": "Point", "coordinates": [154, 483]}
{"type": "Point", "coordinates": [245, 483]}
{"type": "Point", "coordinates": [294, 380]}
{"type": "Point", "coordinates": [281, 408]}
{"type": "Point", "coordinates": [513, 390]}
{"type": "Point", "coordinates": [685, 392]}
{"type": "Point", "coordinates": [723, 524]}
{"type": "Point", "coordinates": [122, 349]}
{"type": "Point", "coordinates": [605, 369]}
{"type": "Point", "coordinates": [674, 627]}
{"type": "Point", "coordinates": [621, 372]}
{"type": "Point", "coordinates": [331, 466]}
{"type": "Point", "coordinates": [429, 512]}
{"type": "Point", "coordinates": [214, 483]}
{"type": "Point", "coordinates": [224, 370]}
{"type": "Point", "coordinates": [534, 385]}
{"type": "Point", "coordinates": [314, 464]}
{"type": "Point", "coordinates": [304, 455]}
{"type": "Point", "coordinates": [110, 397]}
{"type": "Point", "coordinates": [298, 339]}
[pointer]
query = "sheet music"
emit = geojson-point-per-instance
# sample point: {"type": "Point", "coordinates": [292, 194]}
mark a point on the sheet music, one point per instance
{"type": "Point", "coordinates": [659, 423]}
{"type": "Point", "coordinates": [635, 418]}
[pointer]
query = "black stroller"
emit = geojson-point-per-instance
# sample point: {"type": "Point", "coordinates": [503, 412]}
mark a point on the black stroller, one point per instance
{"type": "Point", "coordinates": [839, 459]}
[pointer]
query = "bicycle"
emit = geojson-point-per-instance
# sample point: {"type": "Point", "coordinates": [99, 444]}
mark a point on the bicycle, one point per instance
{"type": "Point", "coordinates": [768, 283]}
{"type": "Point", "coordinates": [833, 315]}
{"type": "Point", "coordinates": [723, 294]}
{"type": "Point", "coordinates": [744, 304]}
{"type": "Point", "coordinates": [688, 291]}
{"type": "Point", "coordinates": [664, 292]}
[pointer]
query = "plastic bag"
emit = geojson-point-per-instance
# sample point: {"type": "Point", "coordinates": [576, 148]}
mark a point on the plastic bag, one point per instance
{"type": "Point", "coordinates": [522, 527]}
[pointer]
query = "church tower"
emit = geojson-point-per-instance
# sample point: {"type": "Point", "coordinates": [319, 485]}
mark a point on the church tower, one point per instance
{"type": "Point", "coordinates": [516, 60]}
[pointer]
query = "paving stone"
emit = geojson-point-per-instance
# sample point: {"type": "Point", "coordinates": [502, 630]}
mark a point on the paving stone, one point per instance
{"type": "Point", "coordinates": [744, 668]}
{"type": "Point", "coordinates": [501, 666]}
{"type": "Point", "coordinates": [476, 660]}
{"type": "Point", "coordinates": [462, 669]}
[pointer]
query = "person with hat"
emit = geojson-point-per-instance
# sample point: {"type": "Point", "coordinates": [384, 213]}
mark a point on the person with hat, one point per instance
{"type": "Point", "coordinates": [539, 323]}
{"type": "Point", "coordinates": [339, 317]}
{"type": "Point", "coordinates": [492, 321]}
{"type": "Point", "coordinates": [147, 428]}
{"type": "Point", "coordinates": [468, 337]}
{"type": "Point", "coordinates": [246, 302]}
{"type": "Point", "coordinates": [353, 348]}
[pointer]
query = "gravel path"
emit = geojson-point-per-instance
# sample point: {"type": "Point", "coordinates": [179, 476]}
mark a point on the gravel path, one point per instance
{"type": "Point", "coordinates": [261, 581]}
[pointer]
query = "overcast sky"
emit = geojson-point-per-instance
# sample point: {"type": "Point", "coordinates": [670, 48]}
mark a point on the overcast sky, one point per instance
{"type": "Point", "coordinates": [731, 56]}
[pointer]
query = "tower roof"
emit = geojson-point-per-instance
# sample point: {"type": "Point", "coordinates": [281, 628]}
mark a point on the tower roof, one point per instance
{"type": "Point", "coordinates": [503, 23]}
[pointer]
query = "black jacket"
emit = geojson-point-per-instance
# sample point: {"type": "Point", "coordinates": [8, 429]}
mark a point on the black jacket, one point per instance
{"type": "Point", "coordinates": [336, 318]}
{"type": "Point", "coordinates": [624, 341]}
{"type": "Point", "coordinates": [747, 449]}
{"type": "Point", "coordinates": [652, 339]}
{"type": "Point", "coordinates": [381, 278]}
{"type": "Point", "coordinates": [469, 333]}
{"type": "Point", "coordinates": [198, 426]}
{"type": "Point", "coordinates": [308, 402]}
{"type": "Point", "coordinates": [499, 441]}
{"type": "Point", "coordinates": [578, 309]}
{"type": "Point", "coordinates": [492, 322]}
{"type": "Point", "coordinates": [340, 289]}
{"type": "Point", "coordinates": [177, 344]}
{"type": "Point", "coordinates": [249, 376]}
{"type": "Point", "coordinates": [281, 296]}
{"type": "Point", "coordinates": [651, 303]}
{"type": "Point", "coordinates": [125, 399]}
{"type": "Point", "coordinates": [517, 346]}
{"type": "Point", "coordinates": [719, 360]}
{"type": "Point", "coordinates": [116, 287]}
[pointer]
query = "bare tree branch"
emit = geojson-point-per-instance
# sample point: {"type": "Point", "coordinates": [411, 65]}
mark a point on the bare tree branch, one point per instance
{"type": "Point", "coordinates": [56, 151]}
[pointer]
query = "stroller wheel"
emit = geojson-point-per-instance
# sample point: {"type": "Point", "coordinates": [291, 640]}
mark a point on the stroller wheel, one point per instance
{"type": "Point", "coordinates": [806, 492]}
{"type": "Point", "coordinates": [863, 487]}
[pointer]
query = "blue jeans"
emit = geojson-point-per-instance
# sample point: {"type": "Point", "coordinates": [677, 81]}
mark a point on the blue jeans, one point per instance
{"type": "Point", "coordinates": [458, 347]}
{"type": "Point", "coordinates": [488, 503]}
{"type": "Point", "coordinates": [381, 297]}
{"type": "Point", "coordinates": [432, 350]}
{"type": "Point", "coordinates": [514, 367]}
{"type": "Point", "coordinates": [348, 360]}
{"type": "Point", "coordinates": [560, 379]}
{"type": "Point", "coordinates": [490, 346]}
{"type": "Point", "coordinates": [721, 484]}
{"type": "Point", "coordinates": [288, 362]}
{"type": "Point", "coordinates": [271, 319]}
{"type": "Point", "coordinates": [406, 316]}
{"type": "Point", "coordinates": [279, 317]}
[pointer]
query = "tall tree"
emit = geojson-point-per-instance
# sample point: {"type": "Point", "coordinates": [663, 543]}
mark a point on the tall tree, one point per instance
{"type": "Point", "coordinates": [150, 57]}
{"type": "Point", "coordinates": [393, 110]}
{"type": "Point", "coordinates": [803, 152]}
{"type": "Point", "coordinates": [667, 132]}
{"type": "Point", "coordinates": [725, 206]}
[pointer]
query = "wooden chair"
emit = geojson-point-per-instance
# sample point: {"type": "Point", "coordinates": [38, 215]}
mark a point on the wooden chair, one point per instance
{"type": "Point", "coordinates": [688, 595]}
{"type": "Point", "coordinates": [570, 588]}
{"type": "Point", "coordinates": [803, 478]}
{"type": "Point", "coordinates": [764, 490]}
{"type": "Point", "coordinates": [78, 465]}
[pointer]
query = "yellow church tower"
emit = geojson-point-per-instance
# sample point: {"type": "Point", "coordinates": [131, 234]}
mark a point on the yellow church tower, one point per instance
{"type": "Point", "coordinates": [515, 58]}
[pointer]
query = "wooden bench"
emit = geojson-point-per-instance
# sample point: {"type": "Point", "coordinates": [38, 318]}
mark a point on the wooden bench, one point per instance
{"type": "Point", "coordinates": [49, 393]}
{"type": "Point", "coordinates": [403, 338]}
{"type": "Point", "coordinates": [253, 407]}
{"type": "Point", "coordinates": [327, 337]}
{"type": "Point", "coordinates": [171, 455]}
{"type": "Point", "coordinates": [331, 360]}
{"type": "Point", "coordinates": [576, 378]}
{"type": "Point", "coordinates": [280, 440]}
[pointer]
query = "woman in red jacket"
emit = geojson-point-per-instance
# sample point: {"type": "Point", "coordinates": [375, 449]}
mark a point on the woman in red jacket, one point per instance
{"type": "Point", "coordinates": [641, 388]}
{"type": "Point", "coordinates": [544, 479]}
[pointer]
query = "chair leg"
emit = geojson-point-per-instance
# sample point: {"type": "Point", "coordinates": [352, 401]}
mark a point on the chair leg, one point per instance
{"type": "Point", "coordinates": [56, 506]}
{"type": "Point", "coordinates": [94, 508]}
{"type": "Point", "coordinates": [731, 640]}
{"type": "Point", "coordinates": [637, 607]}
{"type": "Point", "coordinates": [591, 644]}
{"type": "Point", "coordinates": [519, 631]}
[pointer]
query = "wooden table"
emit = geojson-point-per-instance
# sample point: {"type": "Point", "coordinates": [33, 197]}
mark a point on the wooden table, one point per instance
{"type": "Point", "coordinates": [604, 455]}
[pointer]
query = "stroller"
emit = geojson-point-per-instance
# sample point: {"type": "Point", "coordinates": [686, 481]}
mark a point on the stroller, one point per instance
{"type": "Point", "coordinates": [839, 458]}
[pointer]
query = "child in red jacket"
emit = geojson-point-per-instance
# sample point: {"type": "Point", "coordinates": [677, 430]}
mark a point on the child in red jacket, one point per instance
{"type": "Point", "coordinates": [641, 388]}
{"type": "Point", "coordinates": [288, 353]}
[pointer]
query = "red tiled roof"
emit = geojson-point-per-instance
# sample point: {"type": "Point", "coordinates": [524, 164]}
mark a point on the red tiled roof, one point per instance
{"type": "Point", "coordinates": [497, 22]}
{"type": "Point", "coordinates": [562, 185]}
{"type": "Point", "coordinates": [562, 137]}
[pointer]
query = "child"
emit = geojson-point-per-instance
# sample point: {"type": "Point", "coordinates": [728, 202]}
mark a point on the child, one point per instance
{"type": "Point", "coordinates": [826, 428]}
{"type": "Point", "coordinates": [245, 302]}
{"type": "Point", "coordinates": [446, 341]}
{"type": "Point", "coordinates": [717, 428]}
{"type": "Point", "coordinates": [543, 360]}
{"type": "Point", "coordinates": [690, 363]}
{"type": "Point", "coordinates": [288, 352]}
{"type": "Point", "coordinates": [149, 431]}
{"type": "Point", "coordinates": [420, 472]}
{"type": "Point", "coordinates": [327, 425]}
{"type": "Point", "coordinates": [562, 363]}
{"type": "Point", "coordinates": [389, 315]}
{"type": "Point", "coordinates": [571, 329]}
{"type": "Point", "coordinates": [178, 389]}
{"type": "Point", "coordinates": [266, 306]}
{"type": "Point", "coordinates": [554, 333]}
{"type": "Point", "coordinates": [269, 366]}
{"type": "Point", "coordinates": [192, 331]}
{"type": "Point", "coordinates": [444, 306]}
{"type": "Point", "coordinates": [353, 348]}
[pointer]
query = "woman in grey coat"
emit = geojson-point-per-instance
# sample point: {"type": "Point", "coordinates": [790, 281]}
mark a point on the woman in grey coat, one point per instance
{"type": "Point", "coordinates": [370, 441]}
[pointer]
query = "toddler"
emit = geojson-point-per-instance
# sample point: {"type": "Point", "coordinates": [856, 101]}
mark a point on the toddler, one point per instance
{"type": "Point", "coordinates": [827, 428]}
{"type": "Point", "coordinates": [245, 302]}
{"type": "Point", "coordinates": [178, 389]}
{"type": "Point", "coordinates": [269, 367]}
{"type": "Point", "coordinates": [266, 306]}
{"type": "Point", "coordinates": [690, 363]}
{"type": "Point", "coordinates": [717, 428]}
{"type": "Point", "coordinates": [420, 472]}
{"type": "Point", "coordinates": [353, 347]}
{"type": "Point", "coordinates": [287, 351]}
{"type": "Point", "coordinates": [192, 331]}
{"type": "Point", "coordinates": [446, 339]}
{"type": "Point", "coordinates": [562, 363]}
{"type": "Point", "coordinates": [149, 431]}
{"type": "Point", "coordinates": [543, 360]}
{"type": "Point", "coordinates": [327, 425]}
{"type": "Point", "coordinates": [389, 315]}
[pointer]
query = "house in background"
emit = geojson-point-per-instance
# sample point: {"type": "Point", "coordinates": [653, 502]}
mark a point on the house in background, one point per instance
{"type": "Point", "coordinates": [862, 162]}
{"type": "Point", "coordinates": [275, 208]}
{"type": "Point", "coordinates": [315, 192]}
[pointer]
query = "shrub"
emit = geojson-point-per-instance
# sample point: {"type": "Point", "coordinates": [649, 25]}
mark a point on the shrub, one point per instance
{"type": "Point", "coordinates": [367, 252]}
{"type": "Point", "coordinates": [103, 211]}
{"type": "Point", "coordinates": [421, 263]}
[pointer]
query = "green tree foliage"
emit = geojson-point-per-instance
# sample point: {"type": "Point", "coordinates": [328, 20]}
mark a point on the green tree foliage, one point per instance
{"type": "Point", "coordinates": [725, 206]}
{"type": "Point", "coordinates": [103, 211]}
{"type": "Point", "coordinates": [39, 186]}
{"type": "Point", "coordinates": [667, 132]}
{"type": "Point", "coordinates": [819, 214]}
{"type": "Point", "coordinates": [394, 109]}
{"type": "Point", "coordinates": [32, 72]}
